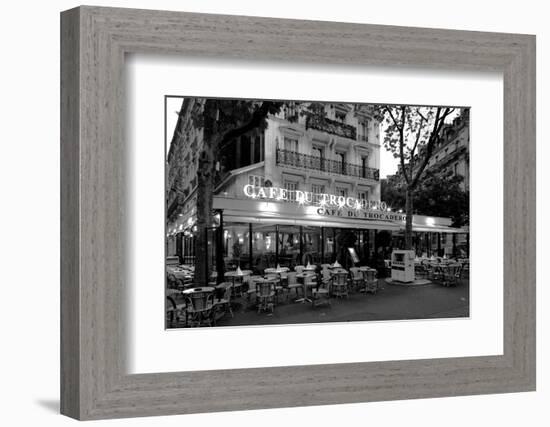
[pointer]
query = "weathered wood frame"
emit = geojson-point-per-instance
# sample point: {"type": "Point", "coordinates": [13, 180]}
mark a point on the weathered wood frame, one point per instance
{"type": "Point", "coordinates": [94, 41]}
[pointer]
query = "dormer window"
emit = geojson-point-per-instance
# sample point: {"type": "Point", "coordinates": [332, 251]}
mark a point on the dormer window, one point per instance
{"type": "Point", "coordinates": [340, 116]}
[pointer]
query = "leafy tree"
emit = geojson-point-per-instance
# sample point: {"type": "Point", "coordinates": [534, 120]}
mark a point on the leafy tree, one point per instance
{"type": "Point", "coordinates": [411, 134]}
{"type": "Point", "coordinates": [436, 195]}
{"type": "Point", "coordinates": [442, 196]}
{"type": "Point", "coordinates": [221, 121]}
{"type": "Point", "coordinates": [393, 193]}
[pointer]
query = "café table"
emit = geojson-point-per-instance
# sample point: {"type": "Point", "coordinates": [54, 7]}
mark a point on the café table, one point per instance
{"type": "Point", "coordinates": [277, 280]}
{"type": "Point", "coordinates": [302, 277]}
{"type": "Point", "coordinates": [237, 279]}
{"type": "Point", "coordinates": [277, 270]}
{"type": "Point", "coordinates": [200, 289]}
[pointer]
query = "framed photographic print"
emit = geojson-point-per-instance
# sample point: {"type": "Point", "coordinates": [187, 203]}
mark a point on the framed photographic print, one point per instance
{"type": "Point", "coordinates": [307, 202]}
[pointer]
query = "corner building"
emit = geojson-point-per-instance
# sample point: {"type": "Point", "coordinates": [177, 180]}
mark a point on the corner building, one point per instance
{"type": "Point", "coordinates": [303, 190]}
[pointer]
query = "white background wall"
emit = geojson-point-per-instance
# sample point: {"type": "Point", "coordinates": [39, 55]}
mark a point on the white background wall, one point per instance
{"type": "Point", "coordinates": [29, 218]}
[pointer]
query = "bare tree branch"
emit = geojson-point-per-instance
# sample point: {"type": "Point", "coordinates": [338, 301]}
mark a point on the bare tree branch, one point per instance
{"type": "Point", "coordinates": [422, 115]}
{"type": "Point", "coordinates": [402, 144]}
{"type": "Point", "coordinates": [418, 135]}
{"type": "Point", "coordinates": [393, 118]}
{"type": "Point", "coordinates": [434, 137]}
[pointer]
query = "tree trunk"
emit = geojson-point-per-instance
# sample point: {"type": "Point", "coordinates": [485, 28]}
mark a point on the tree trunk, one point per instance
{"type": "Point", "coordinates": [205, 188]}
{"type": "Point", "coordinates": [409, 217]}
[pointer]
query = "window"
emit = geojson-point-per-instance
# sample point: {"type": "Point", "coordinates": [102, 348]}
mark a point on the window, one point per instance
{"type": "Point", "coordinates": [456, 169]}
{"type": "Point", "coordinates": [317, 152]}
{"type": "Point", "coordinates": [340, 116]}
{"type": "Point", "coordinates": [363, 195]}
{"type": "Point", "coordinates": [318, 161]}
{"type": "Point", "coordinates": [363, 131]}
{"type": "Point", "coordinates": [290, 111]}
{"type": "Point", "coordinates": [291, 187]}
{"type": "Point", "coordinates": [256, 180]}
{"type": "Point", "coordinates": [341, 159]}
{"type": "Point", "coordinates": [257, 149]}
{"type": "Point", "coordinates": [342, 191]}
{"type": "Point", "coordinates": [291, 144]}
{"type": "Point", "coordinates": [364, 166]}
{"type": "Point", "coordinates": [317, 189]}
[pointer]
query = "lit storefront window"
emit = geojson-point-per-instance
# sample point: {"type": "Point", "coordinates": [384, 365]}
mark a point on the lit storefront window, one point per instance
{"type": "Point", "coordinates": [263, 246]}
{"type": "Point", "coordinates": [289, 245]}
{"type": "Point", "coordinates": [236, 244]}
{"type": "Point", "coordinates": [311, 247]}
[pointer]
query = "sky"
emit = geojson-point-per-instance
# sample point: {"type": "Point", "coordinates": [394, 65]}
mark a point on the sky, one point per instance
{"type": "Point", "coordinates": [173, 107]}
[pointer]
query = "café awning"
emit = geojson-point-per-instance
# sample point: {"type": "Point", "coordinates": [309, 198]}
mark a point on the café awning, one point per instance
{"type": "Point", "coordinates": [343, 223]}
{"type": "Point", "coordinates": [436, 229]}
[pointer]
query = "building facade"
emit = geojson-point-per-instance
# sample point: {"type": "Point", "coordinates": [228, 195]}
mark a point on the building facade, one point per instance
{"type": "Point", "coordinates": [451, 157]}
{"type": "Point", "coordinates": [304, 189]}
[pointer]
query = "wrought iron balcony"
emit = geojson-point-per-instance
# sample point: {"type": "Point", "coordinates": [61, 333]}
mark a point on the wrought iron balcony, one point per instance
{"type": "Point", "coordinates": [305, 161]}
{"type": "Point", "coordinates": [331, 126]}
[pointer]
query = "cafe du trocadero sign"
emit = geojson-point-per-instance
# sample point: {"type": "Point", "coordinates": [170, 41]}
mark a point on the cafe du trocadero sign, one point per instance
{"type": "Point", "coordinates": [327, 204]}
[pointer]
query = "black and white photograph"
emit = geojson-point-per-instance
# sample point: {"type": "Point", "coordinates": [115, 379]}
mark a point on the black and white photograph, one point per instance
{"type": "Point", "coordinates": [297, 212]}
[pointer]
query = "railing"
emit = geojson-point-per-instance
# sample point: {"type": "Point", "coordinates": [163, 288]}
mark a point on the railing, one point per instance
{"type": "Point", "coordinates": [331, 126]}
{"type": "Point", "coordinates": [305, 161]}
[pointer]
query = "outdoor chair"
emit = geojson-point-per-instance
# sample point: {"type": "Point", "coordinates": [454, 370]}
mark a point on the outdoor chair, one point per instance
{"type": "Point", "coordinates": [200, 306]}
{"type": "Point", "coordinates": [357, 281]}
{"type": "Point", "coordinates": [213, 279]}
{"type": "Point", "coordinates": [339, 284]}
{"type": "Point", "coordinates": [451, 274]}
{"type": "Point", "coordinates": [371, 281]}
{"type": "Point", "coordinates": [284, 278]}
{"type": "Point", "coordinates": [171, 281]}
{"type": "Point", "coordinates": [434, 271]}
{"type": "Point", "coordinates": [276, 278]}
{"type": "Point", "coordinates": [251, 282]}
{"type": "Point", "coordinates": [292, 283]}
{"type": "Point", "coordinates": [238, 285]}
{"type": "Point", "coordinates": [326, 276]}
{"type": "Point", "coordinates": [465, 270]}
{"type": "Point", "coordinates": [224, 304]}
{"type": "Point", "coordinates": [265, 293]}
{"type": "Point", "coordinates": [321, 295]}
{"type": "Point", "coordinates": [310, 282]}
{"type": "Point", "coordinates": [174, 312]}
{"type": "Point", "coordinates": [420, 271]}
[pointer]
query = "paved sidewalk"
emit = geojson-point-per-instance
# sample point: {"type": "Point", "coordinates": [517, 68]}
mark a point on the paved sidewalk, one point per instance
{"type": "Point", "coordinates": [392, 302]}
